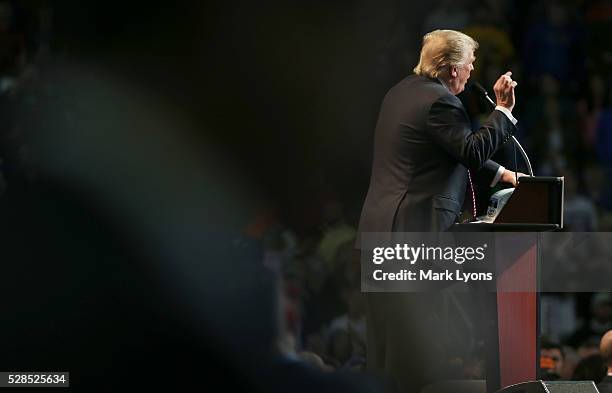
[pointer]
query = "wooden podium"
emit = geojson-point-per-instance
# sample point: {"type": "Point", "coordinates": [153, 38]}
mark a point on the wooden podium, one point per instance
{"type": "Point", "coordinates": [512, 316]}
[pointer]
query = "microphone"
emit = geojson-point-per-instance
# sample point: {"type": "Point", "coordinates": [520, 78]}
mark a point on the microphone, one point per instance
{"type": "Point", "coordinates": [485, 94]}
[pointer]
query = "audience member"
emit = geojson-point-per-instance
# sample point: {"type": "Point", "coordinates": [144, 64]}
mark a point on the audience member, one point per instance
{"type": "Point", "coordinates": [552, 360]}
{"type": "Point", "coordinates": [605, 348]}
{"type": "Point", "coordinates": [590, 368]}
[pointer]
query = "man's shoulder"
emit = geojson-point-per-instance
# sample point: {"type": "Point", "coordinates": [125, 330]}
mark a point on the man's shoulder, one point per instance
{"type": "Point", "coordinates": [422, 82]}
{"type": "Point", "coordinates": [421, 88]}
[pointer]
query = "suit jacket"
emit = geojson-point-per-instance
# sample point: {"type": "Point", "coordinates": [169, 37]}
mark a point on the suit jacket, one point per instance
{"type": "Point", "coordinates": [423, 144]}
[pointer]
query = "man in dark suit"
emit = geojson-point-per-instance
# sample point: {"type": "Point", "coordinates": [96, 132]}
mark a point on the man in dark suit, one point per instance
{"type": "Point", "coordinates": [425, 157]}
{"type": "Point", "coordinates": [424, 146]}
{"type": "Point", "coordinates": [605, 349]}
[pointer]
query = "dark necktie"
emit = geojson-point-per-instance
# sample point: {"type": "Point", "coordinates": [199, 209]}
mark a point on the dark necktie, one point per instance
{"type": "Point", "coordinates": [473, 193]}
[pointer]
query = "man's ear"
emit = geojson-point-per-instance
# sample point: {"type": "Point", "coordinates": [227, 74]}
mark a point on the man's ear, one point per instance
{"type": "Point", "coordinates": [453, 72]}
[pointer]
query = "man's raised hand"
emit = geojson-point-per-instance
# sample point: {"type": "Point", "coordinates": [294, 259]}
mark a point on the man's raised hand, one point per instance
{"type": "Point", "coordinates": [504, 90]}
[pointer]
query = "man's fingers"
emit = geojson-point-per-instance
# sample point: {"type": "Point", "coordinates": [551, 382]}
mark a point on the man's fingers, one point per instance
{"type": "Point", "coordinates": [505, 84]}
{"type": "Point", "coordinates": [502, 82]}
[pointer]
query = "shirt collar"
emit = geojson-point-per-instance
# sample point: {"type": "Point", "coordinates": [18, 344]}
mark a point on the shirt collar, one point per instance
{"type": "Point", "coordinates": [442, 83]}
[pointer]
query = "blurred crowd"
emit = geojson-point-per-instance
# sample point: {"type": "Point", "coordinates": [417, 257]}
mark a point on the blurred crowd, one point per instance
{"type": "Point", "coordinates": [323, 307]}
{"type": "Point", "coordinates": [572, 328]}
{"type": "Point", "coordinates": [557, 50]}
{"type": "Point", "coordinates": [560, 53]}
{"type": "Point", "coordinates": [325, 316]}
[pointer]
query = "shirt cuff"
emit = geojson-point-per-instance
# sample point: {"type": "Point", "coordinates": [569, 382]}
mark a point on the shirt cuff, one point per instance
{"type": "Point", "coordinates": [498, 176]}
{"type": "Point", "coordinates": [506, 112]}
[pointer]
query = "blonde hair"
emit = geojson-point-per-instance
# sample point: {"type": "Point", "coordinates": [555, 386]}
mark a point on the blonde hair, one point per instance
{"type": "Point", "coordinates": [441, 49]}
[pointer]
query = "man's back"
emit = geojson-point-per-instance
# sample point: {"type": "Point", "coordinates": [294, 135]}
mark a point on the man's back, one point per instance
{"type": "Point", "coordinates": [412, 176]}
